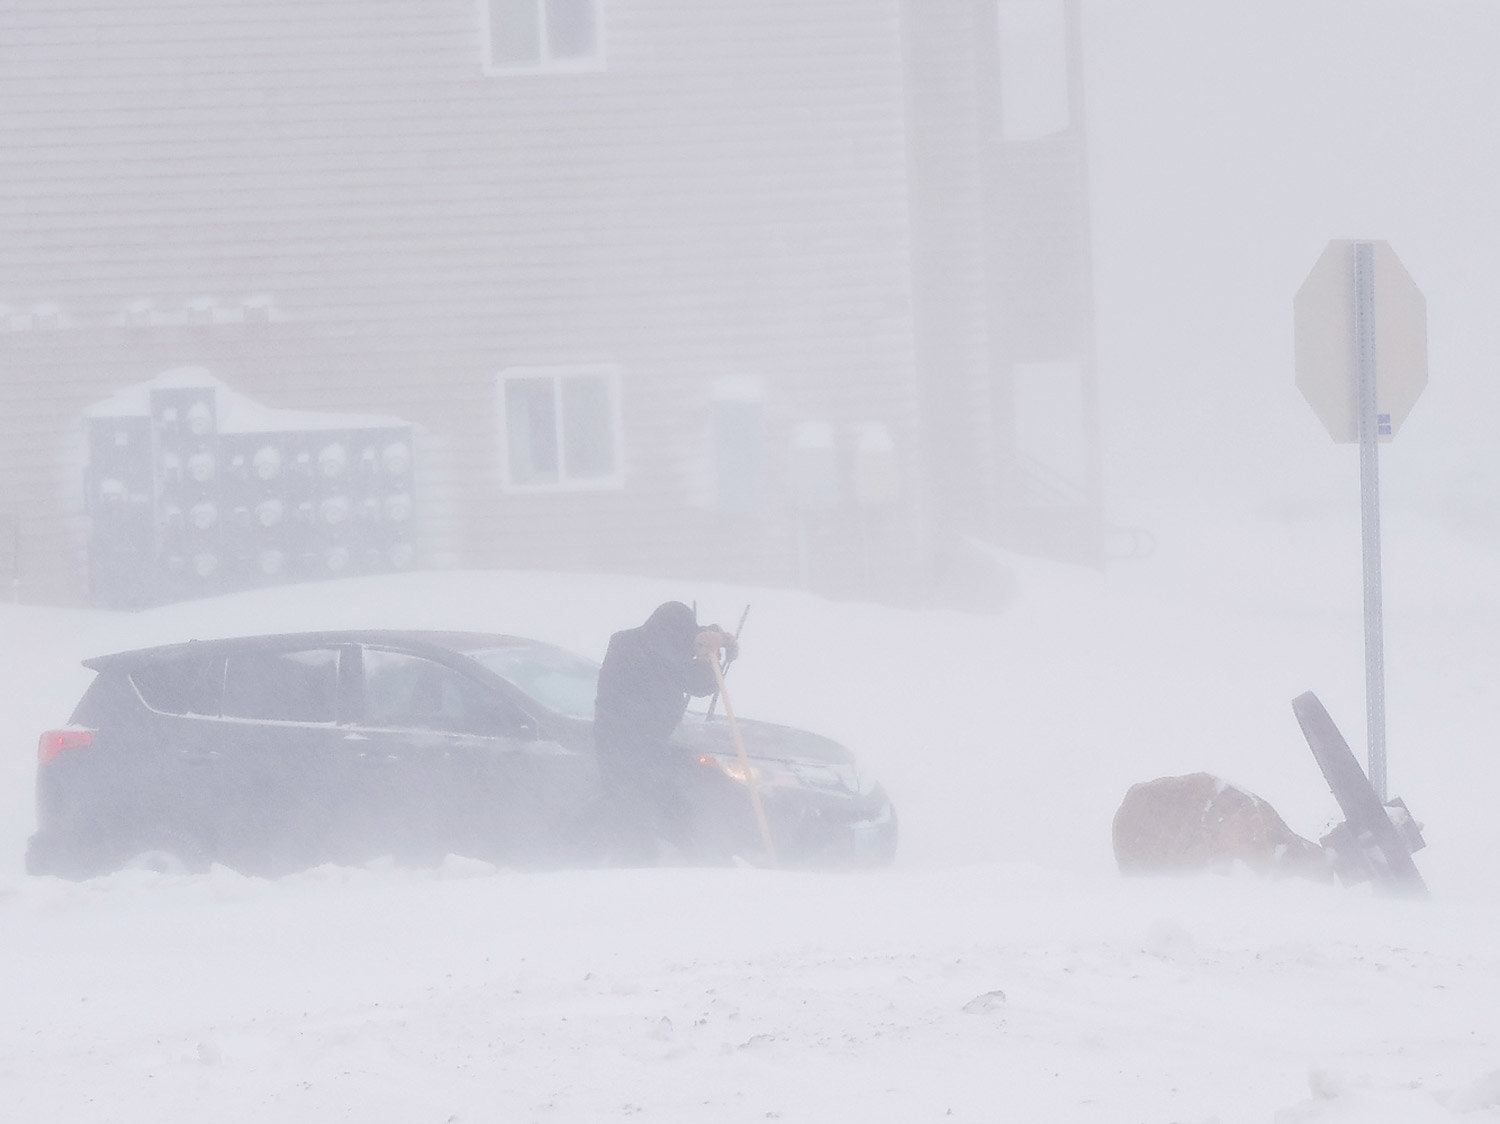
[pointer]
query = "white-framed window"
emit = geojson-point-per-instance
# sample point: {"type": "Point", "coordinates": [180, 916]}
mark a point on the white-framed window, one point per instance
{"type": "Point", "coordinates": [560, 428]}
{"type": "Point", "coordinates": [527, 36]}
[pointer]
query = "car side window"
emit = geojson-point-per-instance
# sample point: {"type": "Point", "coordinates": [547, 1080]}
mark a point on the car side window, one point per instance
{"type": "Point", "coordinates": [189, 686]}
{"type": "Point", "coordinates": [408, 692]}
{"type": "Point", "coordinates": [289, 686]}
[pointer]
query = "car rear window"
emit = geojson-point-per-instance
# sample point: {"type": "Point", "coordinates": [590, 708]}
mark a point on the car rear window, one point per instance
{"type": "Point", "coordinates": [294, 686]}
{"type": "Point", "coordinates": [182, 686]}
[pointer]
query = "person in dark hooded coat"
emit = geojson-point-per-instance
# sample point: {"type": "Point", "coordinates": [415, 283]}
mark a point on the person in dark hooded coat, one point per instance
{"type": "Point", "coordinates": [645, 682]}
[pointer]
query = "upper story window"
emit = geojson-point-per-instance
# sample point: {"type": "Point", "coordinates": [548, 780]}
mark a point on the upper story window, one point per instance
{"type": "Point", "coordinates": [560, 428]}
{"type": "Point", "coordinates": [541, 35]}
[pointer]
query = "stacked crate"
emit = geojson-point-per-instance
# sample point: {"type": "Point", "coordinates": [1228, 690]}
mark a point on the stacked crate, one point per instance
{"type": "Point", "coordinates": [182, 508]}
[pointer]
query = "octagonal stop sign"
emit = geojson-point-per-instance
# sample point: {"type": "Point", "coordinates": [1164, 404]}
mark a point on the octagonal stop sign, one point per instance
{"type": "Point", "coordinates": [1327, 361]}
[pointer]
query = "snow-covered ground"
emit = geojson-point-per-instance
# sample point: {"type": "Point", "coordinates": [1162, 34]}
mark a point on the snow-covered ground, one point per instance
{"type": "Point", "coordinates": [1228, 143]}
{"type": "Point", "coordinates": [1001, 970]}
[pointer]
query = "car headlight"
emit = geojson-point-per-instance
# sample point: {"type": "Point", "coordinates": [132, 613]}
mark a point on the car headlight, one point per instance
{"type": "Point", "coordinates": [792, 774]}
{"type": "Point", "coordinates": [741, 772]}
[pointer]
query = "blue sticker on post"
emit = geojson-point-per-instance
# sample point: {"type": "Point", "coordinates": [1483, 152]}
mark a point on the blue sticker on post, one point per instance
{"type": "Point", "coordinates": [1383, 425]}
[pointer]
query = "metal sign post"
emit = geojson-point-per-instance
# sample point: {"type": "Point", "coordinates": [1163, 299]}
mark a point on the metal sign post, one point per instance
{"type": "Point", "coordinates": [1361, 328]}
{"type": "Point", "coordinates": [1369, 507]}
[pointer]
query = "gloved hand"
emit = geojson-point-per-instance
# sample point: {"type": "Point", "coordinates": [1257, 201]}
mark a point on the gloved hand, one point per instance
{"type": "Point", "coordinates": [712, 640]}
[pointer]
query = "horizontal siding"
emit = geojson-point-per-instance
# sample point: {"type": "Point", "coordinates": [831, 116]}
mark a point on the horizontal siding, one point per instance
{"type": "Point", "coordinates": [728, 197]}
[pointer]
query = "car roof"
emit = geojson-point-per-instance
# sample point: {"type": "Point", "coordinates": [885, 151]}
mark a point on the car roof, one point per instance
{"type": "Point", "coordinates": [429, 640]}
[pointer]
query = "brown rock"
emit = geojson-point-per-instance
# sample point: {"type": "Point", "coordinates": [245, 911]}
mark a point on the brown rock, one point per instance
{"type": "Point", "coordinates": [1200, 822]}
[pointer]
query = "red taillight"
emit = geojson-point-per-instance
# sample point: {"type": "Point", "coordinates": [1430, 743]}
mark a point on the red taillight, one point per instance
{"type": "Point", "coordinates": [55, 741]}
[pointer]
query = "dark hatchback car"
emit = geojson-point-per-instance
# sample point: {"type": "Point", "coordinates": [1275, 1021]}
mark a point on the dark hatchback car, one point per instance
{"type": "Point", "coordinates": [270, 754]}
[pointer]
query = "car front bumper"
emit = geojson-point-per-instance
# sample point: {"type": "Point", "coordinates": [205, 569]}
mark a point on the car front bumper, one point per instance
{"type": "Point", "coordinates": [807, 828]}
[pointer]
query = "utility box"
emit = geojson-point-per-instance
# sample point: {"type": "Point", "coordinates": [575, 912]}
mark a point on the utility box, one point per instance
{"type": "Point", "coordinates": [877, 477]}
{"type": "Point", "coordinates": [815, 467]}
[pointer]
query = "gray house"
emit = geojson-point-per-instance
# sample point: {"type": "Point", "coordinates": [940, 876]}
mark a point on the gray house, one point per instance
{"type": "Point", "coordinates": [747, 290]}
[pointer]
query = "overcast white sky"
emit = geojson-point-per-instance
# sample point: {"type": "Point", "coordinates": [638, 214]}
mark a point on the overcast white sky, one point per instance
{"type": "Point", "coordinates": [1229, 143]}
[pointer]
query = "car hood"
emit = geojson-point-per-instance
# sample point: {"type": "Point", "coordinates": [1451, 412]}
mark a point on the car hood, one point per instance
{"type": "Point", "coordinates": [764, 740]}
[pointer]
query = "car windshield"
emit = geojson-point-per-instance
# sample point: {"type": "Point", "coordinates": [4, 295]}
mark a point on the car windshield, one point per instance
{"type": "Point", "coordinates": [557, 679]}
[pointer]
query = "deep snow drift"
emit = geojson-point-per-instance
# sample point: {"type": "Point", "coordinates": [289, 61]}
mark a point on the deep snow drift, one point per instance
{"type": "Point", "coordinates": [1001, 969]}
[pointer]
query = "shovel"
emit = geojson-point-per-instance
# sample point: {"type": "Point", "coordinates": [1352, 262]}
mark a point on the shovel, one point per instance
{"type": "Point", "coordinates": [739, 628]}
{"type": "Point", "coordinates": [739, 745]}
